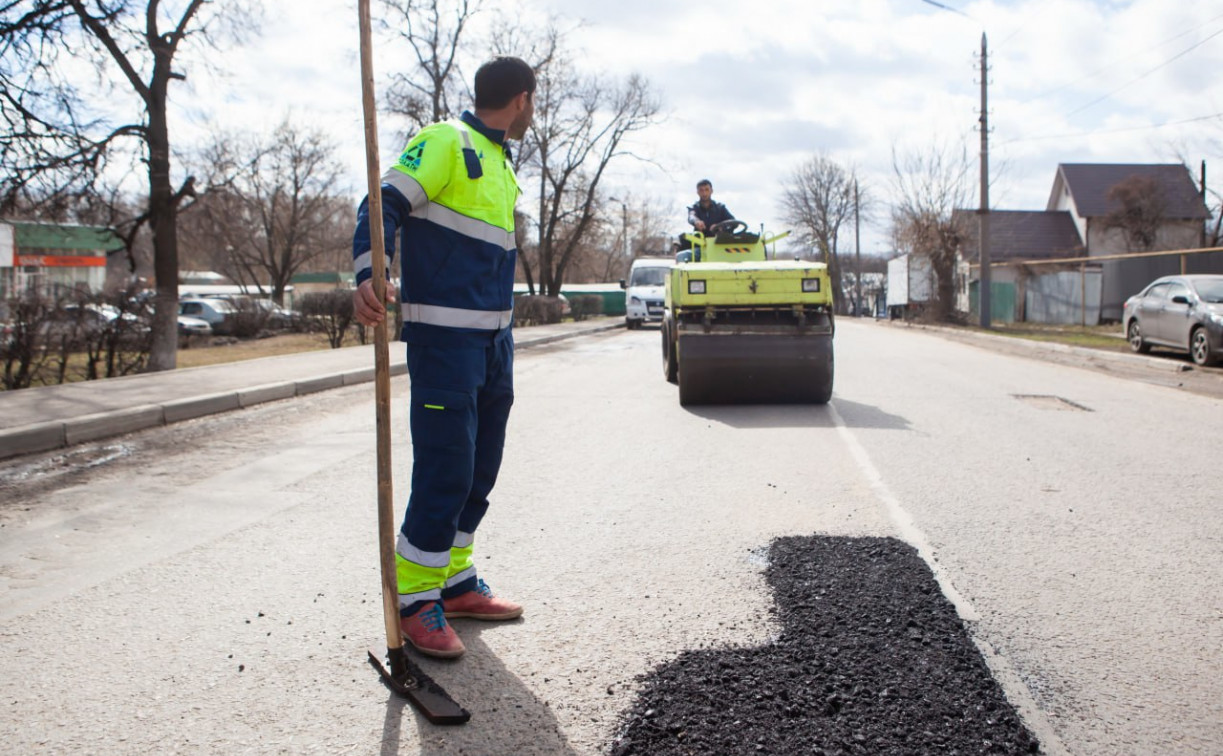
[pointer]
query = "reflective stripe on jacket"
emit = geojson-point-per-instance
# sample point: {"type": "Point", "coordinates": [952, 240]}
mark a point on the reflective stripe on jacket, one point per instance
{"type": "Point", "coordinates": [458, 230]}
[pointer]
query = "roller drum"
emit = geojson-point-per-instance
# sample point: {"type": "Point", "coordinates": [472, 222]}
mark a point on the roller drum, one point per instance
{"type": "Point", "coordinates": [754, 369]}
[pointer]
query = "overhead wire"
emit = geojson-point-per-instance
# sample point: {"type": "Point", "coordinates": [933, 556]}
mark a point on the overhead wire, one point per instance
{"type": "Point", "coordinates": [1142, 76]}
{"type": "Point", "coordinates": [1097, 132]}
{"type": "Point", "coordinates": [948, 8]}
{"type": "Point", "coordinates": [1111, 65]}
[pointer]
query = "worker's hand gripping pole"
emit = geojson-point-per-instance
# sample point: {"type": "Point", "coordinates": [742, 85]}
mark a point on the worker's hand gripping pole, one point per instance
{"type": "Point", "coordinates": [404, 677]}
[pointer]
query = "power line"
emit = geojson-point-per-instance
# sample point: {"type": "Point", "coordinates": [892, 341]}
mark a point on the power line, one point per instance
{"type": "Point", "coordinates": [1110, 65]}
{"type": "Point", "coordinates": [1179, 55]}
{"type": "Point", "coordinates": [948, 8]}
{"type": "Point", "coordinates": [1009, 37]}
{"type": "Point", "coordinates": [1112, 131]}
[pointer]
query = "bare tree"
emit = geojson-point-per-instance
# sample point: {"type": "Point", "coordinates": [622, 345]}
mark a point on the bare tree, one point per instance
{"type": "Point", "coordinates": [273, 206]}
{"type": "Point", "coordinates": [581, 124]}
{"type": "Point", "coordinates": [539, 48]}
{"type": "Point", "coordinates": [929, 187]}
{"type": "Point", "coordinates": [1212, 227]}
{"type": "Point", "coordinates": [435, 30]}
{"type": "Point", "coordinates": [1138, 212]}
{"type": "Point", "coordinates": [818, 200]}
{"type": "Point", "coordinates": [332, 313]}
{"type": "Point", "coordinates": [62, 142]}
{"type": "Point", "coordinates": [22, 351]}
{"type": "Point", "coordinates": [643, 221]}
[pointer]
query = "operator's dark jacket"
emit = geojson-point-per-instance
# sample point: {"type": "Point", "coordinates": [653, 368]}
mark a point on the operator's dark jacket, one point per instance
{"type": "Point", "coordinates": [715, 213]}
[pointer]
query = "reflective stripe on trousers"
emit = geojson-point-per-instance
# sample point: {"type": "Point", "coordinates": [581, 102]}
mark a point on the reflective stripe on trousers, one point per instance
{"type": "Point", "coordinates": [460, 402]}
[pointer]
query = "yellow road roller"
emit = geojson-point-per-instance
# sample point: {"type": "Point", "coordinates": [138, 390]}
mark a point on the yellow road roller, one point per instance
{"type": "Point", "coordinates": [739, 328]}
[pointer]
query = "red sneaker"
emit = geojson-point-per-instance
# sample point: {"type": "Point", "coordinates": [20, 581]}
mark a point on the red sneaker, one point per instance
{"type": "Point", "coordinates": [430, 634]}
{"type": "Point", "coordinates": [481, 604]}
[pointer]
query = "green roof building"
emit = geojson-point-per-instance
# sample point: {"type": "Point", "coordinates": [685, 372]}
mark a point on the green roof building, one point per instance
{"type": "Point", "coordinates": [53, 257]}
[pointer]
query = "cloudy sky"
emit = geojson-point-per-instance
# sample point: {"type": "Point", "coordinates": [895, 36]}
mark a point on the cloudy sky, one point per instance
{"type": "Point", "coordinates": [750, 90]}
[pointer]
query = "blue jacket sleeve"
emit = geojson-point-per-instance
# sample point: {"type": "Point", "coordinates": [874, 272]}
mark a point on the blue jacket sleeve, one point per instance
{"type": "Point", "coordinates": [395, 211]}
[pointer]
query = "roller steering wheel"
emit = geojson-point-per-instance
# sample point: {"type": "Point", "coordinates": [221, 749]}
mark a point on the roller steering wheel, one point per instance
{"type": "Point", "coordinates": [732, 226]}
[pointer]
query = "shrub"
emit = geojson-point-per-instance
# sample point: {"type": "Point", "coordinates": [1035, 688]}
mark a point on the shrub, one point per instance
{"type": "Point", "coordinates": [584, 306]}
{"type": "Point", "coordinates": [87, 336]}
{"type": "Point", "coordinates": [329, 312]}
{"type": "Point", "coordinates": [532, 310]}
{"type": "Point", "coordinates": [249, 320]}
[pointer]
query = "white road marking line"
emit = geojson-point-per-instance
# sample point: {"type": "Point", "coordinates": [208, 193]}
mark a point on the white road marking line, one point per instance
{"type": "Point", "coordinates": [1016, 690]}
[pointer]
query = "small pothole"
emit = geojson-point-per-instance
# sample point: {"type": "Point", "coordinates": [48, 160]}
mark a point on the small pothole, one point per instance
{"type": "Point", "coordinates": [1050, 402]}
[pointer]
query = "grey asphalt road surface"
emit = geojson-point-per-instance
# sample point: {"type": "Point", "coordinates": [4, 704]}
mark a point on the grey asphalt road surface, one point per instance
{"type": "Point", "coordinates": [211, 587]}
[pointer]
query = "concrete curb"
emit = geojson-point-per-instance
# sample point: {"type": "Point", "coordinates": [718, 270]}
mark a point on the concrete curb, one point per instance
{"type": "Point", "coordinates": [1154, 363]}
{"type": "Point", "coordinates": [41, 437]}
{"type": "Point", "coordinates": [33, 438]}
{"type": "Point", "coordinates": [103, 424]}
{"type": "Point", "coordinates": [541, 340]}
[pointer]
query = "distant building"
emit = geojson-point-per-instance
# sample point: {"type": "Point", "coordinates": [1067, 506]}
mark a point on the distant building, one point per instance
{"type": "Point", "coordinates": [53, 259]}
{"type": "Point", "coordinates": [1082, 190]}
{"type": "Point", "coordinates": [194, 284]}
{"type": "Point", "coordinates": [202, 278]}
{"type": "Point", "coordinates": [308, 283]}
{"type": "Point", "coordinates": [1074, 224]}
{"type": "Point", "coordinates": [1016, 235]}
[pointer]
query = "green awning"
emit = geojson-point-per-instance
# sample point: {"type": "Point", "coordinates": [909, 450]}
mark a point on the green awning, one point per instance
{"type": "Point", "coordinates": [34, 236]}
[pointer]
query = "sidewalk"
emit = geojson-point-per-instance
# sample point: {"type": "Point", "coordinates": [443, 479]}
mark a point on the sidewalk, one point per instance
{"type": "Point", "coordinates": [52, 417]}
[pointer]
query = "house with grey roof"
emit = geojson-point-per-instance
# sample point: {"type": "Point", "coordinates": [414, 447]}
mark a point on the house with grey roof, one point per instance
{"type": "Point", "coordinates": [1020, 235]}
{"type": "Point", "coordinates": [1076, 224]}
{"type": "Point", "coordinates": [1084, 190]}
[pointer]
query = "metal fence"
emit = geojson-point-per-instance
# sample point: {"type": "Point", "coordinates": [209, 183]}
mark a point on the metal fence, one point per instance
{"type": "Point", "coordinates": [1050, 295]}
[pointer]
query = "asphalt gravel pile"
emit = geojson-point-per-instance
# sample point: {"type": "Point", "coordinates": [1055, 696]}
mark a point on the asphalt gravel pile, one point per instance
{"type": "Point", "coordinates": [872, 659]}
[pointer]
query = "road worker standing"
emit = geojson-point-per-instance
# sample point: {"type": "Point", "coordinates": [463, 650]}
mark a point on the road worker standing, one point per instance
{"type": "Point", "coordinates": [452, 193]}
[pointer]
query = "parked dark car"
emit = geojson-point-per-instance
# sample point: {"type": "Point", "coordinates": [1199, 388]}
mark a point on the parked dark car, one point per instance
{"type": "Point", "coordinates": [76, 321]}
{"type": "Point", "coordinates": [1180, 312]}
{"type": "Point", "coordinates": [278, 318]}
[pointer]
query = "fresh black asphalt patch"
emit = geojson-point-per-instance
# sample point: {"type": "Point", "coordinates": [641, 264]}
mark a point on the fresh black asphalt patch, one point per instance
{"type": "Point", "coordinates": [872, 659]}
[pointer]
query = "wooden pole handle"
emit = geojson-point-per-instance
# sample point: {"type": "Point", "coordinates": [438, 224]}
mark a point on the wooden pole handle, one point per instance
{"type": "Point", "coordinates": [382, 370]}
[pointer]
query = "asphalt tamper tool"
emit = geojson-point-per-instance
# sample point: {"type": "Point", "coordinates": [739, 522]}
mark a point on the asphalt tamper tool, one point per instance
{"type": "Point", "coordinates": [399, 672]}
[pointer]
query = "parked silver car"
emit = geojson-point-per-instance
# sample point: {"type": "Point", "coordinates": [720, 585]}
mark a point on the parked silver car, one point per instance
{"type": "Point", "coordinates": [219, 313]}
{"type": "Point", "coordinates": [189, 326]}
{"type": "Point", "coordinates": [1180, 312]}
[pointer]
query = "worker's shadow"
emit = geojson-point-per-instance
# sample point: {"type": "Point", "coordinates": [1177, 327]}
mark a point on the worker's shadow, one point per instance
{"type": "Point", "coordinates": [853, 414]}
{"type": "Point", "coordinates": [506, 717]}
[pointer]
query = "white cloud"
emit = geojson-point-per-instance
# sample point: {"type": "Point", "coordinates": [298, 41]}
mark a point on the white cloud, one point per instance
{"type": "Point", "coordinates": [754, 88]}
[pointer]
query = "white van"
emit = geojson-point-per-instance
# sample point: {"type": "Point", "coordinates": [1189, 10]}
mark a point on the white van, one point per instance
{"type": "Point", "coordinates": [643, 291]}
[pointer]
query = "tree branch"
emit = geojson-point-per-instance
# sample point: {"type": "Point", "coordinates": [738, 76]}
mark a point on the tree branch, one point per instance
{"type": "Point", "coordinates": [102, 34]}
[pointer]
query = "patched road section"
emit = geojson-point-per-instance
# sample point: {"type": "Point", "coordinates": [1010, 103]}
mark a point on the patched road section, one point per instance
{"type": "Point", "coordinates": [871, 659]}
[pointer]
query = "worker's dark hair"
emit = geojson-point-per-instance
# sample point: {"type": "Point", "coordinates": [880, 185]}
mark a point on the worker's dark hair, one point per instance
{"type": "Point", "coordinates": [704, 182]}
{"type": "Point", "coordinates": [502, 79]}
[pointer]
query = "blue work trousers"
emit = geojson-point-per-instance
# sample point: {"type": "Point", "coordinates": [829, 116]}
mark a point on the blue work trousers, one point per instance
{"type": "Point", "coordinates": [461, 396]}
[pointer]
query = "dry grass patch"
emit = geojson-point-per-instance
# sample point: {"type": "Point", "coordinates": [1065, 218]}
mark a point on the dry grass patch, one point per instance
{"type": "Point", "coordinates": [1107, 337]}
{"type": "Point", "coordinates": [201, 354]}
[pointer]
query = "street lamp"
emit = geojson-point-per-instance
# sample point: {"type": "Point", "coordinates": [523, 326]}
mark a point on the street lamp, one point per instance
{"type": "Point", "coordinates": [628, 252]}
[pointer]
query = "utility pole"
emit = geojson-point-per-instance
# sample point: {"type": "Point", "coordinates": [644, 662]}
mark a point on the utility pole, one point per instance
{"type": "Point", "coordinates": [1202, 192]}
{"type": "Point", "coordinates": [857, 254]}
{"type": "Point", "coordinates": [539, 247]}
{"type": "Point", "coordinates": [983, 303]}
{"type": "Point", "coordinates": [628, 249]}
